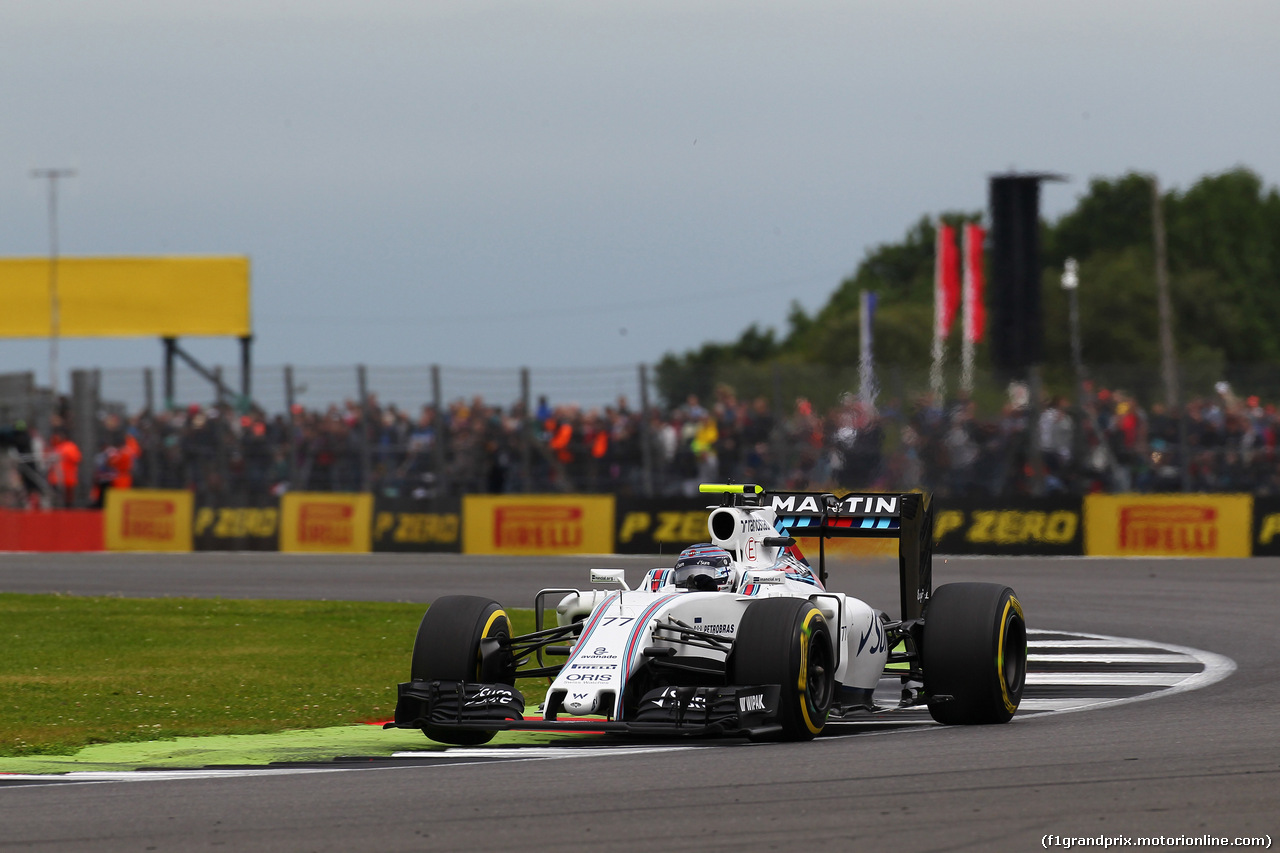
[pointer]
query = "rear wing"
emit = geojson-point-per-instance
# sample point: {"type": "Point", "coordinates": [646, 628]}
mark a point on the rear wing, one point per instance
{"type": "Point", "coordinates": [905, 517]}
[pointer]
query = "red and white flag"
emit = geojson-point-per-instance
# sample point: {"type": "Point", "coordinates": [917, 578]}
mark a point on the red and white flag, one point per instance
{"type": "Point", "coordinates": [975, 315]}
{"type": "Point", "coordinates": [946, 282]}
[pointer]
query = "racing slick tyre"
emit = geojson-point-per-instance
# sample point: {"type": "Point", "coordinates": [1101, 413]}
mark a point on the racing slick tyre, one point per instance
{"type": "Point", "coordinates": [787, 641]}
{"type": "Point", "coordinates": [973, 653]}
{"type": "Point", "coordinates": [448, 649]}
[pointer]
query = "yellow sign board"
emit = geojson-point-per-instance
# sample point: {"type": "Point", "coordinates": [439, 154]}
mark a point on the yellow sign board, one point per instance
{"type": "Point", "coordinates": [326, 522]}
{"type": "Point", "coordinates": [165, 297]}
{"type": "Point", "coordinates": [148, 520]}
{"type": "Point", "coordinates": [537, 524]}
{"type": "Point", "coordinates": [1168, 525]}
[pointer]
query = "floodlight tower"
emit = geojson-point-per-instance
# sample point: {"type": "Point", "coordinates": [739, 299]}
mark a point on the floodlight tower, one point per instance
{"type": "Point", "coordinates": [52, 175]}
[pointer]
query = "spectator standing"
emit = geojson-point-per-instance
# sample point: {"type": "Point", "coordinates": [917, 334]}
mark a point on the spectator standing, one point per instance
{"type": "Point", "coordinates": [64, 467]}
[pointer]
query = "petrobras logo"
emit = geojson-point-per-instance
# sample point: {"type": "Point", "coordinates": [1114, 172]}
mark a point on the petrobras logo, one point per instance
{"type": "Point", "coordinates": [149, 519]}
{"type": "Point", "coordinates": [1169, 528]}
{"type": "Point", "coordinates": [326, 524]}
{"type": "Point", "coordinates": [538, 527]}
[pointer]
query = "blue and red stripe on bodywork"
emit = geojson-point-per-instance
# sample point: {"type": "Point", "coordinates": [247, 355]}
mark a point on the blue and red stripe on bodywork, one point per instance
{"type": "Point", "coordinates": [590, 627]}
{"type": "Point", "coordinates": [642, 624]}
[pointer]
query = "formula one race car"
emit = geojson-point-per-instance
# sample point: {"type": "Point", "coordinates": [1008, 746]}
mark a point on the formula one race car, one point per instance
{"type": "Point", "coordinates": [739, 637]}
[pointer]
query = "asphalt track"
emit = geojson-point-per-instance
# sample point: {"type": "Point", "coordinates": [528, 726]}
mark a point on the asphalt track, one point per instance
{"type": "Point", "coordinates": [1198, 763]}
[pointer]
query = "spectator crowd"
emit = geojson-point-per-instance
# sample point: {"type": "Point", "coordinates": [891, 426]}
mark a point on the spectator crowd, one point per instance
{"type": "Point", "coordinates": [1109, 442]}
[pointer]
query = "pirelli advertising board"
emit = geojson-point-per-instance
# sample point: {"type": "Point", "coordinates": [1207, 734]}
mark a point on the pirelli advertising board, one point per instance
{"type": "Point", "coordinates": [237, 528]}
{"type": "Point", "coordinates": [1168, 525]}
{"type": "Point", "coordinates": [408, 525]}
{"type": "Point", "coordinates": [147, 520]}
{"type": "Point", "coordinates": [537, 524]}
{"type": "Point", "coordinates": [661, 525]}
{"type": "Point", "coordinates": [326, 522]}
{"type": "Point", "coordinates": [1044, 526]}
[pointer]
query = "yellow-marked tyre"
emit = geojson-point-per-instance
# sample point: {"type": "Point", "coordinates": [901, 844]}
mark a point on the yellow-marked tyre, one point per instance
{"type": "Point", "coordinates": [974, 653]}
{"type": "Point", "coordinates": [787, 641]}
{"type": "Point", "coordinates": [447, 648]}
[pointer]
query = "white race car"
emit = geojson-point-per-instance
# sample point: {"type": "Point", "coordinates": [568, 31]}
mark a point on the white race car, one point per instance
{"type": "Point", "coordinates": [740, 637]}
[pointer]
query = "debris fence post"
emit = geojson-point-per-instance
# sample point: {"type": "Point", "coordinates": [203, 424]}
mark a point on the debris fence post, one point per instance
{"type": "Point", "coordinates": [438, 448]}
{"type": "Point", "coordinates": [646, 438]}
{"type": "Point", "coordinates": [291, 446]}
{"type": "Point", "coordinates": [526, 433]}
{"type": "Point", "coordinates": [362, 390]}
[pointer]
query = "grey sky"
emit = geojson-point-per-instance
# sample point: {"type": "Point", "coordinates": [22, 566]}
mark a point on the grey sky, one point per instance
{"type": "Point", "coordinates": [581, 183]}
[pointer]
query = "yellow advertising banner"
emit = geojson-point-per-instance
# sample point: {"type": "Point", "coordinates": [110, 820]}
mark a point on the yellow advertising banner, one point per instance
{"type": "Point", "coordinates": [537, 524]}
{"type": "Point", "coordinates": [1168, 525]}
{"type": "Point", "coordinates": [126, 297]}
{"type": "Point", "coordinates": [148, 520]}
{"type": "Point", "coordinates": [326, 522]}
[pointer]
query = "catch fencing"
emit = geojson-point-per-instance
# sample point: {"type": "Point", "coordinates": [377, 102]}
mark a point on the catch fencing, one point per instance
{"type": "Point", "coordinates": [422, 433]}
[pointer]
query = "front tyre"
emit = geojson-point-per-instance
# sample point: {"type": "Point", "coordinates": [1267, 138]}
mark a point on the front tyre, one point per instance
{"type": "Point", "coordinates": [447, 648]}
{"type": "Point", "coordinates": [974, 653]}
{"type": "Point", "coordinates": [787, 641]}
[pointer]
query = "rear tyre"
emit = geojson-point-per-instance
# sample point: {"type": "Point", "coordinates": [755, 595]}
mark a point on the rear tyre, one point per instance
{"type": "Point", "coordinates": [787, 641]}
{"type": "Point", "coordinates": [973, 653]}
{"type": "Point", "coordinates": [447, 648]}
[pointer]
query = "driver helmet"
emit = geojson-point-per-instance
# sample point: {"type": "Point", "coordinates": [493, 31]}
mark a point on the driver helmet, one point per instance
{"type": "Point", "coordinates": [703, 567]}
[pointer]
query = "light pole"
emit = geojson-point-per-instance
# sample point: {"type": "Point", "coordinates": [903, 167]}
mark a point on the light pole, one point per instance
{"type": "Point", "coordinates": [55, 320]}
{"type": "Point", "coordinates": [1071, 284]}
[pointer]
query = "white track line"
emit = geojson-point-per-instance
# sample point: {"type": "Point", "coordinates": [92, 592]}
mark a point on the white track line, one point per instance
{"type": "Point", "coordinates": [541, 753]}
{"type": "Point", "coordinates": [1123, 679]}
{"type": "Point", "coordinates": [1216, 668]}
{"type": "Point", "coordinates": [1111, 642]}
{"type": "Point", "coordinates": [1054, 704]}
{"type": "Point", "coordinates": [164, 775]}
{"type": "Point", "coordinates": [1120, 657]}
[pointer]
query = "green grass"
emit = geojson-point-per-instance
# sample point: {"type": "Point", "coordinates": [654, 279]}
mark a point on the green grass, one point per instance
{"type": "Point", "coordinates": [78, 671]}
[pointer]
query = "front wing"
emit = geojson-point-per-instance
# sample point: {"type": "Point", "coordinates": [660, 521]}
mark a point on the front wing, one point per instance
{"type": "Point", "coordinates": [690, 711]}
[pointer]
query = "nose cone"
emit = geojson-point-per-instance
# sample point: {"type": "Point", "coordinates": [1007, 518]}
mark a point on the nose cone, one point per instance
{"type": "Point", "coordinates": [580, 706]}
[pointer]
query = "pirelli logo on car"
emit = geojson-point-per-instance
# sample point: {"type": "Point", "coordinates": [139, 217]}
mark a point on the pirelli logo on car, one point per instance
{"type": "Point", "coordinates": [861, 505]}
{"type": "Point", "coordinates": [1181, 525]}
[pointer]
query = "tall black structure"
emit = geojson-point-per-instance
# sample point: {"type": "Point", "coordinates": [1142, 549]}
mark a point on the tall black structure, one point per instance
{"type": "Point", "coordinates": [1017, 319]}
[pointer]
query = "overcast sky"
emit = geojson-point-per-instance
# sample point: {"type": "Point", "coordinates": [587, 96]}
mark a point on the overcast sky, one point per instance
{"type": "Point", "coordinates": [581, 183]}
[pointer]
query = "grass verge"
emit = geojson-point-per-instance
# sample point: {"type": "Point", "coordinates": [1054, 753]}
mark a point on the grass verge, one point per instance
{"type": "Point", "coordinates": [76, 671]}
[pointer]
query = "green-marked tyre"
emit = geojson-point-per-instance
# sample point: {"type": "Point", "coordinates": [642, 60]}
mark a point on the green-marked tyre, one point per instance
{"type": "Point", "coordinates": [974, 653]}
{"type": "Point", "coordinates": [787, 641]}
{"type": "Point", "coordinates": [447, 648]}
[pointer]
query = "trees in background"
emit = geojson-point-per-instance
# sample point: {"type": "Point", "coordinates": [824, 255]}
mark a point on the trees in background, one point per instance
{"type": "Point", "coordinates": [1224, 266]}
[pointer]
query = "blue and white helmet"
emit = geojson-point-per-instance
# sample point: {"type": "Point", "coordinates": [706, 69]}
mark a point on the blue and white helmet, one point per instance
{"type": "Point", "coordinates": [703, 567]}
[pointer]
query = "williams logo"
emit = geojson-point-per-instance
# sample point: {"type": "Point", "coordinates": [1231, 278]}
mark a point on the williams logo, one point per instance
{"type": "Point", "coordinates": [326, 524]}
{"type": "Point", "coordinates": [149, 519]}
{"type": "Point", "coordinates": [537, 527]}
{"type": "Point", "coordinates": [1169, 528]}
